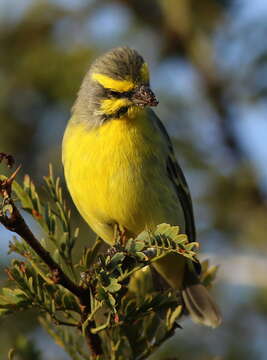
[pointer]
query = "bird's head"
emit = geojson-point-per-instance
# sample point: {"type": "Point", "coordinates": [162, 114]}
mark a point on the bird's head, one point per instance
{"type": "Point", "coordinates": [116, 85]}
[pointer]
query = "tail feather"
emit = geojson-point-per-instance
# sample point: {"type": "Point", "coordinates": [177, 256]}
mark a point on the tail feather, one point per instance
{"type": "Point", "coordinates": [182, 275]}
{"type": "Point", "coordinates": [201, 306]}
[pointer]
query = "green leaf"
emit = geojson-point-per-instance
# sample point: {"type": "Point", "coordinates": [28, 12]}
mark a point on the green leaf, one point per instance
{"type": "Point", "coordinates": [138, 246]}
{"type": "Point", "coordinates": [13, 295]}
{"type": "Point", "coordinates": [114, 261]}
{"type": "Point", "coordinates": [141, 256]}
{"type": "Point", "coordinates": [167, 230]}
{"type": "Point", "coordinates": [23, 196]}
{"type": "Point", "coordinates": [103, 326]}
{"type": "Point", "coordinates": [208, 277]}
{"type": "Point", "coordinates": [7, 209]}
{"type": "Point", "coordinates": [112, 301]}
{"type": "Point", "coordinates": [70, 302]}
{"type": "Point", "coordinates": [172, 315]}
{"type": "Point", "coordinates": [11, 354]}
{"type": "Point", "coordinates": [142, 237]}
{"type": "Point", "coordinates": [129, 306]}
{"type": "Point", "coordinates": [113, 286]}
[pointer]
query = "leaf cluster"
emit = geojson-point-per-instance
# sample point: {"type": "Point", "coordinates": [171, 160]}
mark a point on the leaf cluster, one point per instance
{"type": "Point", "coordinates": [129, 316]}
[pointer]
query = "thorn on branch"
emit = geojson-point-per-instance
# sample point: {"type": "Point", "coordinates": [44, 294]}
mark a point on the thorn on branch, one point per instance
{"type": "Point", "coordinates": [6, 185]}
{"type": "Point", "coordinates": [56, 276]}
{"type": "Point", "coordinates": [9, 159]}
{"type": "Point", "coordinates": [9, 274]}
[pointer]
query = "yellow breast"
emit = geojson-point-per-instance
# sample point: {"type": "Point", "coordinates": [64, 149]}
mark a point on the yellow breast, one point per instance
{"type": "Point", "coordinates": [116, 173]}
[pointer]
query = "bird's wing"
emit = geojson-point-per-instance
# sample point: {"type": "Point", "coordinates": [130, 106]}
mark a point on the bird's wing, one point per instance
{"type": "Point", "coordinates": [177, 177]}
{"type": "Point", "coordinates": [196, 297]}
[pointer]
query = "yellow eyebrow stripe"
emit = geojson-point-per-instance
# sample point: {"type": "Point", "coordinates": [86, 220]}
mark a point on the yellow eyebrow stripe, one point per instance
{"type": "Point", "coordinates": [144, 72]}
{"type": "Point", "coordinates": [111, 106]}
{"type": "Point", "coordinates": [112, 84]}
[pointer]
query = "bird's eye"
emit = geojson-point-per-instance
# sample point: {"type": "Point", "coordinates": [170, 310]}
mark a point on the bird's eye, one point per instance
{"type": "Point", "coordinates": [118, 95]}
{"type": "Point", "coordinates": [112, 93]}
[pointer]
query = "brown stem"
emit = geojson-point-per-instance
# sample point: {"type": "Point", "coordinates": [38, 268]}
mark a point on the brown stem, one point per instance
{"type": "Point", "coordinates": [16, 223]}
{"type": "Point", "coordinates": [156, 345]}
{"type": "Point", "coordinates": [93, 341]}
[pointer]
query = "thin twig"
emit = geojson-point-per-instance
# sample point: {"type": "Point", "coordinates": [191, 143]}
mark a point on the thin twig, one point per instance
{"type": "Point", "coordinates": [155, 346]}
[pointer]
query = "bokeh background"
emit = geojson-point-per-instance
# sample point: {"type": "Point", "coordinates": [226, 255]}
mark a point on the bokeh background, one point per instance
{"type": "Point", "coordinates": [208, 62]}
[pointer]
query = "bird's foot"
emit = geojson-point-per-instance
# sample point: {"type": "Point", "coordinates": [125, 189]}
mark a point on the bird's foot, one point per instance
{"type": "Point", "coordinates": [120, 235]}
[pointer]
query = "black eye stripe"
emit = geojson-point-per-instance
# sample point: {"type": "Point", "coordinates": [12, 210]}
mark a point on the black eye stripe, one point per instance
{"type": "Point", "coordinates": [123, 110]}
{"type": "Point", "coordinates": [117, 94]}
{"type": "Point", "coordinates": [111, 94]}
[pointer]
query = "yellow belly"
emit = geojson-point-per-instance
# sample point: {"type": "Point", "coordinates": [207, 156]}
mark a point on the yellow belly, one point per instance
{"type": "Point", "coordinates": [117, 174]}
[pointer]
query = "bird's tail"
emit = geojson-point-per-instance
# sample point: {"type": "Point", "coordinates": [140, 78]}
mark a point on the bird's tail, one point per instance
{"type": "Point", "coordinates": [181, 274]}
{"type": "Point", "coordinates": [198, 302]}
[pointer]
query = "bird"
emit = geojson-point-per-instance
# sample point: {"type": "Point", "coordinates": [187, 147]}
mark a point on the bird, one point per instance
{"type": "Point", "coordinates": [120, 168]}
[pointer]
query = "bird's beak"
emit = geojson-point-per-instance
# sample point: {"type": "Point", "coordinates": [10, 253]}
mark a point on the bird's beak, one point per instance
{"type": "Point", "coordinates": [144, 96]}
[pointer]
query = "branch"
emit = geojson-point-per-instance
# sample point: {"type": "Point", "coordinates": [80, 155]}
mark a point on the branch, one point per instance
{"type": "Point", "coordinates": [11, 218]}
{"type": "Point", "coordinates": [13, 221]}
{"type": "Point", "coordinates": [155, 346]}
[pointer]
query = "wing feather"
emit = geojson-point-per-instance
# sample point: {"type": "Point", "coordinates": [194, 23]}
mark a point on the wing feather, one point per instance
{"type": "Point", "coordinates": [177, 177]}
